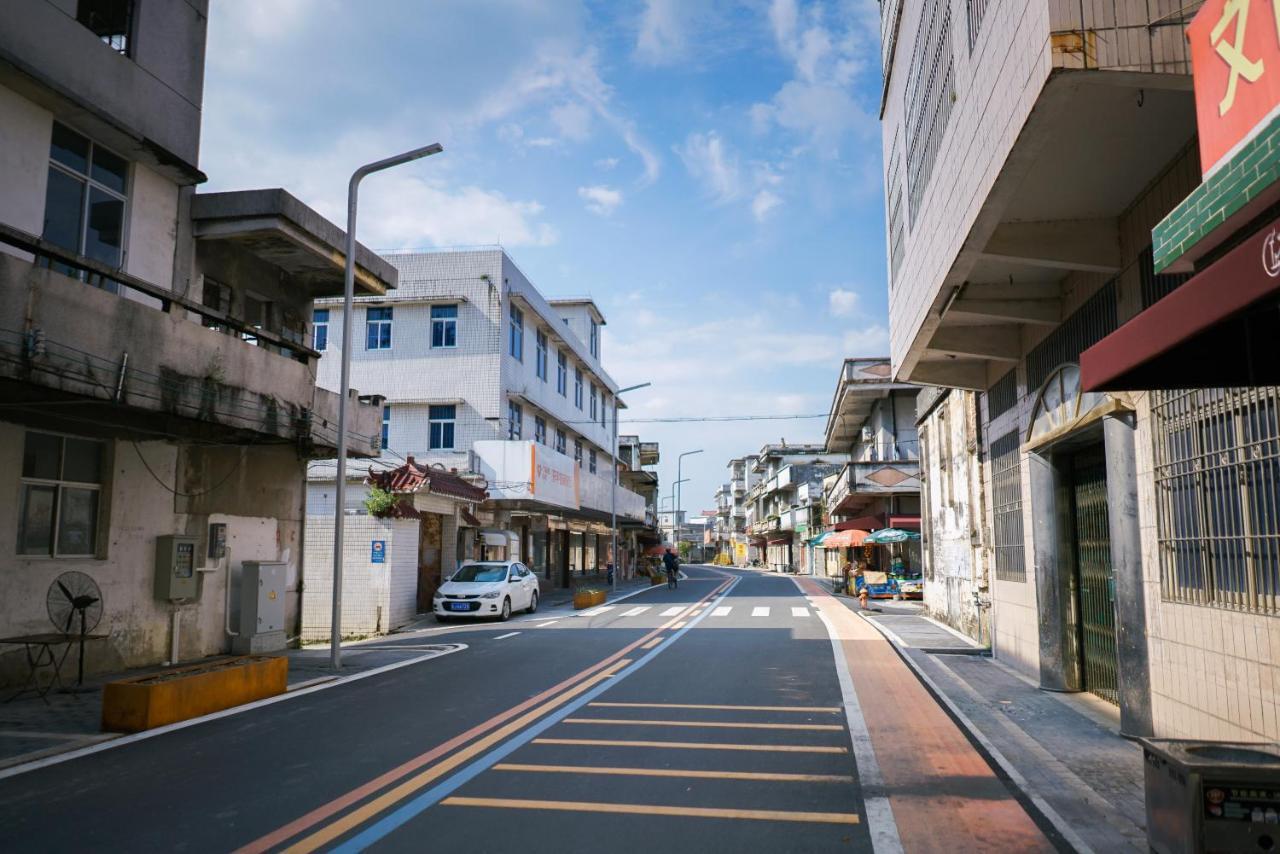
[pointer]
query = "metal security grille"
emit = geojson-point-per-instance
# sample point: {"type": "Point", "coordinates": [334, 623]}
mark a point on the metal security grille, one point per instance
{"type": "Point", "coordinates": [929, 99]}
{"type": "Point", "coordinates": [1157, 286]}
{"type": "Point", "coordinates": [1217, 477]}
{"type": "Point", "coordinates": [1003, 395]}
{"type": "Point", "coordinates": [896, 235]}
{"type": "Point", "coordinates": [1088, 325]}
{"type": "Point", "coordinates": [1006, 507]}
{"type": "Point", "coordinates": [1096, 580]}
{"type": "Point", "coordinates": [976, 9]}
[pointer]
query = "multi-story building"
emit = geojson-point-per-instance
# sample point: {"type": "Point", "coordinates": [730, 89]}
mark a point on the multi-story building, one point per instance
{"type": "Point", "coordinates": [154, 342]}
{"type": "Point", "coordinates": [1030, 151]}
{"type": "Point", "coordinates": [742, 477]}
{"type": "Point", "coordinates": [785, 504]}
{"type": "Point", "coordinates": [634, 455]}
{"type": "Point", "coordinates": [871, 424]}
{"type": "Point", "coordinates": [482, 375]}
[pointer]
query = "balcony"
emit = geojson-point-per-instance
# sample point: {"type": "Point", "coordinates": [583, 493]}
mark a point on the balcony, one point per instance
{"type": "Point", "coordinates": [860, 483]}
{"type": "Point", "coordinates": [528, 476]}
{"type": "Point", "coordinates": [136, 359]}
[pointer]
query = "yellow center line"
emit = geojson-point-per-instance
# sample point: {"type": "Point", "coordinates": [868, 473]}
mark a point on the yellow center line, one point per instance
{"type": "Point", "coordinates": [693, 745]}
{"type": "Point", "coordinates": [651, 644]}
{"type": "Point", "coordinates": [654, 809]}
{"type": "Point", "coordinates": [713, 724]}
{"type": "Point", "coordinates": [779, 777]}
{"type": "Point", "coordinates": [356, 817]}
{"type": "Point", "coordinates": [834, 710]}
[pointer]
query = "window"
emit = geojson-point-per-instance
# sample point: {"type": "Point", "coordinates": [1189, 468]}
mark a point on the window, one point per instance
{"type": "Point", "coordinates": [976, 9]}
{"type": "Point", "coordinates": [539, 429]}
{"type": "Point", "coordinates": [110, 20]}
{"type": "Point", "coordinates": [930, 95]}
{"type": "Point", "coordinates": [216, 296]}
{"type": "Point", "coordinates": [577, 452]}
{"type": "Point", "coordinates": [595, 395]}
{"type": "Point", "coordinates": [440, 421]}
{"type": "Point", "coordinates": [320, 331]}
{"type": "Point", "coordinates": [386, 427]}
{"type": "Point", "coordinates": [1006, 507]}
{"type": "Point", "coordinates": [604, 407]}
{"type": "Point", "coordinates": [84, 206]}
{"type": "Point", "coordinates": [577, 387]}
{"type": "Point", "coordinates": [540, 355]}
{"type": "Point", "coordinates": [591, 461]}
{"type": "Point", "coordinates": [515, 420]}
{"type": "Point", "coordinates": [1217, 494]}
{"type": "Point", "coordinates": [561, 440]}
{"type": "Point", "coordinates": [517, 333]}
{"type": "Point", "coordinates": [258, 313]}
{"type": "Point", "coordinates": [61, 487]}
{"type": "Point", "coordinates": [562, 373]}
{"type": "Point", "coordinates": [595, 338]}
{"type": "Point", "coordinates": [377, 328]}
{"type": "Point", "coordinates": [444, 326]}
{"type": "Point", "coordinates": [896, 228]}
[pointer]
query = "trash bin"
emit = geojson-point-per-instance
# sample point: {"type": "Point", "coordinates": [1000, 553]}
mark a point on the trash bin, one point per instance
{"type": "Point", "coordinates": [1211, 796]}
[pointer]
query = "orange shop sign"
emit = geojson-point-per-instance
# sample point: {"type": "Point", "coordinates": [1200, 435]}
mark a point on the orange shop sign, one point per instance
{"type": "Point", "coordinates": [1235, 58]}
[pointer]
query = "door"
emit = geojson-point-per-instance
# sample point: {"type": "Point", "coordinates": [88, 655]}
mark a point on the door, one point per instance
{"type": "Point", "coordinates": [429, 545]}
{"type": "Point", "coordinates": [1095, 579]}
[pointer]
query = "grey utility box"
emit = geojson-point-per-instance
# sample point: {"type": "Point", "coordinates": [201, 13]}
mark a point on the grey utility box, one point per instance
{"type": "Point", "coordinates": [176, 577]}
{"type": "Point", "coordinates": [261, 607]}
{"type": "Point", "coordinates": [1211, 796]}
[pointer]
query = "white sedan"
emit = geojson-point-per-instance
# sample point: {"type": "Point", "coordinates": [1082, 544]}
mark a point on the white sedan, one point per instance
{"type": "Point", "coordinates": [492, 588]}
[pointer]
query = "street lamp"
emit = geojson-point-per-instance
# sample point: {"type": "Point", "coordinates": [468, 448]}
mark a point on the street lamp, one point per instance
{"type": "Point", "coordinates": [613, 500]}
{"type": "Point", "coordinates": [675, 517]}
{"type": "Point", "coordinates": [679, 492]}
{"type": "Point", "coordinates": [348, 294]}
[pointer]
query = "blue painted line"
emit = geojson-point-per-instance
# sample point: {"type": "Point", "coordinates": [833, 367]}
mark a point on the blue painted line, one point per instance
{"type": "Point", "coordinates": [384, 827]}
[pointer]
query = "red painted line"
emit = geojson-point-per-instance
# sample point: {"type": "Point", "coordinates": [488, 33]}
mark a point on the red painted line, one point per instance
{"type": "Point", "coordinates": [325, 811]}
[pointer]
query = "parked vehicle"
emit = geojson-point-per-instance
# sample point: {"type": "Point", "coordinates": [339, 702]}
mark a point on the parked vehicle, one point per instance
{"type": "Point", "coordinates": [493, 588]}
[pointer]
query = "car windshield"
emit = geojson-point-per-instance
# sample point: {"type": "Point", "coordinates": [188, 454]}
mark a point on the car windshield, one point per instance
{"type": "Point", "coordinates": [481, 572]}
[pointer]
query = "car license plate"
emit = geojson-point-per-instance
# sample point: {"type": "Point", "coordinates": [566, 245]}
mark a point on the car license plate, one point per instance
{"type": "Point", "coordinates": [460, 606]}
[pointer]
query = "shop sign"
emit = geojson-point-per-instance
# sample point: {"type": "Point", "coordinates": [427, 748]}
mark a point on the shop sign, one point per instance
{"type": "Point", "coordinates": [1235, 58]}
{"type": "Point", "coordinates": [555, 478]}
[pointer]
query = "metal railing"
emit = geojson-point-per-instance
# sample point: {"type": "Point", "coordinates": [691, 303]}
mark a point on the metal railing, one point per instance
{"type": "Point", "coordinates": [1006, 508]}
{"type": "Point", "coordinates": [1122, 35]}
{"type": "Point", "coordinates": [97, 274]}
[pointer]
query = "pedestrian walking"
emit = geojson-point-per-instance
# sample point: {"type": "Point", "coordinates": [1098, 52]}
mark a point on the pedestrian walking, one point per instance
{"type": "Point", "coordinates": [672, 565]}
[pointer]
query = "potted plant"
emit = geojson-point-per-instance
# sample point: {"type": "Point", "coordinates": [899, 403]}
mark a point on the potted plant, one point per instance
{"type": "Point", "coordinates": [588, 597]}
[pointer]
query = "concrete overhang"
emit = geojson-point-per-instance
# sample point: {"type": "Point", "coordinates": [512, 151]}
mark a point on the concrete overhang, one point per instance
{"type": "Point", "coordinates": [279, 229]}
{"type": "Point", "coordinates": [1092, 142]}
{"type": "Point", "coordinates": [862, 382]}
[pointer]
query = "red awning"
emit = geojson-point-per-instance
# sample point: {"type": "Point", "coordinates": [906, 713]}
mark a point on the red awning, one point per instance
{"type": "Point", "coordinates": [910, 523]}
{"type": "Point", "coordinates": [1201, 334]}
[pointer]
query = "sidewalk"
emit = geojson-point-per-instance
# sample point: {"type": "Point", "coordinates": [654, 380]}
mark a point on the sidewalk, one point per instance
{"type": "Point", "coordinates": [1063, 751]}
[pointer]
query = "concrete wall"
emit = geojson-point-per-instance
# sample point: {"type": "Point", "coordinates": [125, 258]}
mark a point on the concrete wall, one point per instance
{"type": "Point", "coordinates": [25, 130]}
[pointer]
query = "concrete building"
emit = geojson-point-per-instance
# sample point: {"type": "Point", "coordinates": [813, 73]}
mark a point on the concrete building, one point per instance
{"type": "Point", "coordinates": [634, 455]}
{"type": "Point", "coordinates": [954, 545]}
{"type": "Point", "coordinates": [785, 504]}
{"type": "Point", "coordinates": [871, 424]}
{"type": "Point", "coordinates": [483, 376]}
{"type": "Point", "coordinates": [154, 358]}
{"type": "Point", "coordinates": [1076, 126]}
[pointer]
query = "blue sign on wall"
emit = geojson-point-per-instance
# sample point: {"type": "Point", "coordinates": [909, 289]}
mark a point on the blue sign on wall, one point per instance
{"type": "Point", "coordinates": [378, 552]}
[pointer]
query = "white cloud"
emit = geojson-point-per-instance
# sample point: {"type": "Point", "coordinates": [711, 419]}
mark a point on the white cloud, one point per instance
{"type": "Point", "coordinates": [709, 161]}
{"type": "Point", "coordinates": [607, 163]}
{"type": "Point", "coordinates": [572, 120]}
{"type": "Point", "coordinates": [870, 340]}
{"type": "Point", "coordinates": [414, 212]}
{"type": "Point", "coordinates": [842, 302]}
{"type": "Point", "coordinates": [600, 199]}
{"type": "Point", "coordinates": [764, 202]}
{"type": "Point", "coordinates": [662, 36]}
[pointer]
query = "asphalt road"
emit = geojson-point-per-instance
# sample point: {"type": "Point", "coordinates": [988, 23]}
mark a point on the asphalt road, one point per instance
{"type": "Point", "coordinates": [708, 718]}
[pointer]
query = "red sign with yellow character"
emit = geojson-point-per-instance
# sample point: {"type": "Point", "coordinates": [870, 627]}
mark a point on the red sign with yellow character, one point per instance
{"type": "Point", "coordinates": [1235, 57]}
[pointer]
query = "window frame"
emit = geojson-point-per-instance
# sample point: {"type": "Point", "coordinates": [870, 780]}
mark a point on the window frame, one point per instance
{"type": "Point", "coordinates": [386, 427]}
{"type": "Point", "coordinates": [595, 396]}
{"type": "Point", "coordinates": [562, 373]}
{"type": "Point", "coordinates": [380, 322]}
{"type": "Point", "coordinates": [515, 421]}
{"type": "Point", "coordinates": [125, 45]}
{"type": "Point", "coordinates": [444, 325]}
{"type": "Point", "coordinates": [577, 387]}
{"type": "Point", "coordinates": [595, 338]}
{"type": "Point", "coordinates": [442, 421]}
{"type": "Point", "coordinates": [593, 460]}
{"type": "Point", "coordinates": [319, 342]}
{"type": "Point", "coordinates": [59, 484]}
{"type": "Point", "coordinates": [540, 344]}
{"type": "Point", "coordinates": [89, 183]}
{"type": "Point", "coordinates": [540, 430]}
{"type": "Point", "coordinates": [515, 341]}
{"type": "Point", "coordinates": [562, 441]}
{"type": "Point", "coordinates": [577, 452]}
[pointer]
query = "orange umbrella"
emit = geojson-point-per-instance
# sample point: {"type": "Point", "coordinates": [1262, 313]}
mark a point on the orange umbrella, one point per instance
{"type": "Point", "coordinates": [845, 539]}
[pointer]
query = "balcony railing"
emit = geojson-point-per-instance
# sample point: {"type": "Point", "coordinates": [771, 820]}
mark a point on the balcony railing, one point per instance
{"type": "Point", "coordinates": [871, 479]}
{"type": "Point", "coordinates": [1122, 35]}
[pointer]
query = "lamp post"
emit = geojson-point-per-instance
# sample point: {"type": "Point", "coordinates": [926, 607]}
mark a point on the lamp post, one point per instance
{"type": "Point", "coordinates": [675, 517]}
{"type": "Point", "coordinates": [679, 492]}
{"type": "Point", "coordinates": [613, 496]}
{"type": "Point", "coordinates": [348, 294]}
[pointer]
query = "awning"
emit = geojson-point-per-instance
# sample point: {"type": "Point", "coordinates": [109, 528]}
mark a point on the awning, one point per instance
{"type": "Point", "coordinates": [1217, 329]}
{"type": "Point", "coordinates": [844, 539]}
{"type": "Point", "coordinates": [817, 541]}
{"type": "Point", "coordinates": [911, 523]}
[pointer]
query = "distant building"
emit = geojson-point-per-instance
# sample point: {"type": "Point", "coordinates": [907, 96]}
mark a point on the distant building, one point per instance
{"type": "Point", "coordinates": [785, 504]}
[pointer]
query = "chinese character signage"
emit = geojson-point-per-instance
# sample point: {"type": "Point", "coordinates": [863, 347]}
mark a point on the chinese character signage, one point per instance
{"type": "Point", "coordinates": [1235, 57]}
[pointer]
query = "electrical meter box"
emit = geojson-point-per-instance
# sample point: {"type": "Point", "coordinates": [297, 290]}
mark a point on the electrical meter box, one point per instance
{"type": "Point", "coordinates": [176, 576]}
{"type": "Point", "coordinates": [262, 585]}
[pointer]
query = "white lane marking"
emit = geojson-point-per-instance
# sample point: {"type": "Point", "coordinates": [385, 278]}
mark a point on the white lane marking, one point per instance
{"type": "Point", "coordinates": [547, 623]}
{"type": "Point", "coordinates": [722, 611]}
{"type": "Point", "coordinates": [799, 612]}
{"type": "Point", "coordinates": [634, 611]}
{"type": "Point", "coordinates": [760, 611]}
{"type": "Point", "coordinates": [507, 635]}
{"type": "Point", "coordinates": [595, 611]}
{"type": "Point", "coordinates": [671, 612]}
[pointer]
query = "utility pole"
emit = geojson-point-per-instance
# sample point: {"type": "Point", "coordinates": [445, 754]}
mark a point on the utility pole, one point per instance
{"type": "Point", "coordinates": [679, 480]}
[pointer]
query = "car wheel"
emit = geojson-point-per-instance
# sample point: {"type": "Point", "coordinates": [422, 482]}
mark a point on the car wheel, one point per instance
{"type": "Point", "coordinates": [506, 611]}
{"type": "Point", "coordinates": [533, 604]}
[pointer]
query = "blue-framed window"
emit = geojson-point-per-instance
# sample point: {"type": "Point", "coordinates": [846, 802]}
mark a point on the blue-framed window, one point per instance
{"type": "Point", "coordinates": [320, 328]}
{"type": "Point", "coordinates": [562, 373]}
{"type": "Point", "coordinates": [539, 429]}
{"type": "Point", "coordinates": [561, 441]}
{"type": "Point", "coordinates": [517, 333]}
{"type": "Point", "coordinates": [377, 328]}
{"type": "Point", "coordinates": [441, 420]}
{"type": "Point", "coordinates": [577, 387]}
{"type": "Point", "coordinates": [515, 420]}
{"type": "Point", "coordinates": [444, 326]}
{"type": "Point", "coordinates": [540, 355]}
{"type": "Point", "coordinates": [386, 427]}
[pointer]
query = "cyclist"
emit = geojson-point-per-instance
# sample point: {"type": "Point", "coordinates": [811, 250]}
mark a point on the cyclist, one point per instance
{"type": "Point", "coordinates": [672, 565]}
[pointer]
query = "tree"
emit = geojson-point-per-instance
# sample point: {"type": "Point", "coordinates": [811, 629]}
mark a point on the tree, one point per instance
{"type": "Point", "coordinates": [685, 548]}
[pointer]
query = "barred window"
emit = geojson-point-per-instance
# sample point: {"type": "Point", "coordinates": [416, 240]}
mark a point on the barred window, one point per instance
{"type": "Point", "coordinates": [1157, 286]}
{"type": "Point", "coordinates": [976, 10]}
{"type": "Point", "coordinates": [1006, 507]}
{"type": "Point", "coordinates": [1003, 395]}
{"type": "Point", "coordinates": [894, 204]}
{"type": "Point", "coordinates": [1217, 477]}
{"type": "Point", "coordinates": [1086, 326]}
{"type": "Point", "coordinates": [929, 98]}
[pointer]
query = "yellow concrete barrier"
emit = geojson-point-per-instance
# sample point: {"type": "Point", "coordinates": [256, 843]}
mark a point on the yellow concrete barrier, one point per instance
{"type": "Point", "coordinates": [182, 693]}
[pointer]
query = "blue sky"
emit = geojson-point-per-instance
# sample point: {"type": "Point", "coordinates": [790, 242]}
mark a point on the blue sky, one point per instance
{"type": "Point", "coordinates": [709, 172]}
